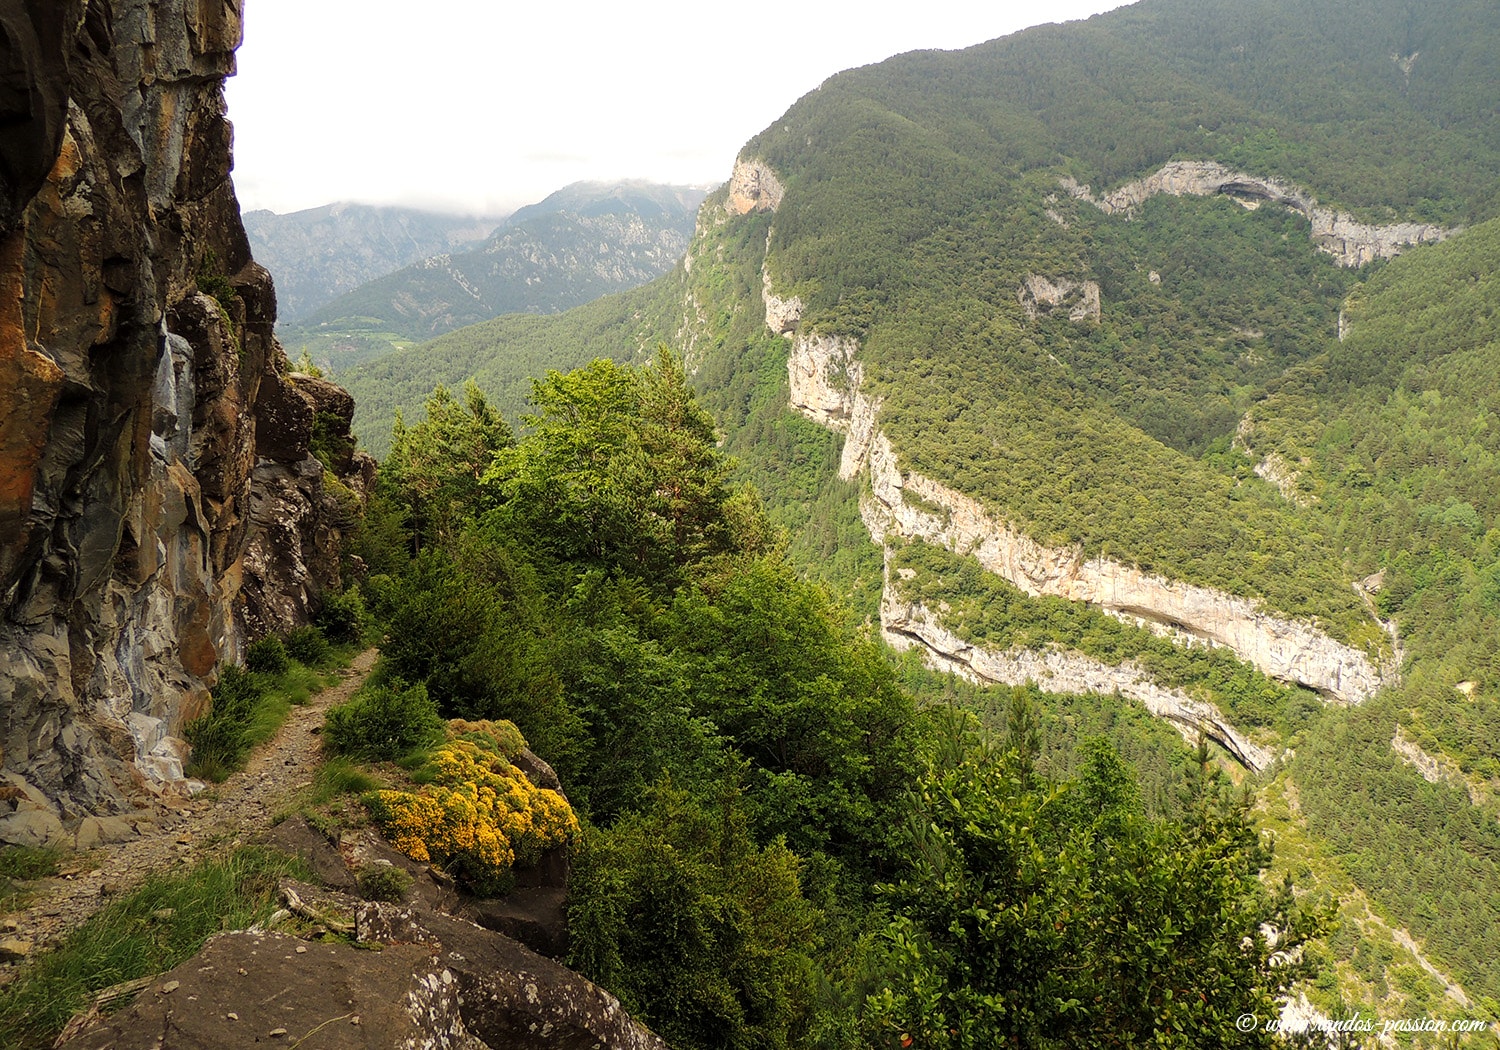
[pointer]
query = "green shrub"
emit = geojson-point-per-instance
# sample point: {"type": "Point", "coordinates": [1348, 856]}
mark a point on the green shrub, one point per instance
{"type": "Point", "coordinates": [267, 656]}
{"type": "Point", "coordinates": [307, 645]}
{"type": "Point", "coordinates": [383, 882]}
{"type": "Point", "coordinates": [384, 721]}
{"type": "Point", "coordinates": [343, 617]}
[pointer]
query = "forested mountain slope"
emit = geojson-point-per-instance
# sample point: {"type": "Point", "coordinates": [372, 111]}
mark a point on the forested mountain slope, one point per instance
{"type": "Point", "coordinates": [1056, 320]}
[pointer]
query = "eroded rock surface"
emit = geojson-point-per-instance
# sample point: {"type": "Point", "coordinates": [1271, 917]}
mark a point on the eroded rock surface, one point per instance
{"type": "Point", "coordinates": [754, 187]}
{"type": "Point", "coordinates": [906, 625]}
{"type": "Point", "coordinates": [1350, 242]}
{"type": "Point", "coordinates": [415, 978]}
{"type": "Point", "coordinates": [135, 343]}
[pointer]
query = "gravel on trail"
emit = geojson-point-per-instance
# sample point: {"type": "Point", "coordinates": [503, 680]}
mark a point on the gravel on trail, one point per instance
{"type": "Point", "coordinates": [178, 832]}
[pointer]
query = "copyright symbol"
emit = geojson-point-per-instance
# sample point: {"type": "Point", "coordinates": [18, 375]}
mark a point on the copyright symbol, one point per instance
{"type": "Point", "coordinates": [1245, 1022]}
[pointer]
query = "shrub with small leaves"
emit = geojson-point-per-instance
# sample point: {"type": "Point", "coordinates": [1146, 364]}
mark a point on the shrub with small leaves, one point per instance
{"type": "Point", "coordinates": [384, 720]}
{"type": "Point", "coordinates": [478, 815]}
{"type": "Point", "coordinates": [383, 882]}
{"type": "Point", "coordinates": [267, 656]}
{"type": "Point", "coordinates": [343, 616]}
{"type": "Point", "coordinates": [307, 645]}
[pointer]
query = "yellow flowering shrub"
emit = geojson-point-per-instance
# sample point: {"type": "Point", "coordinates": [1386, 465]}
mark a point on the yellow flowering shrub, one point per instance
{"type": "Point", "coordinates": [477, 814]}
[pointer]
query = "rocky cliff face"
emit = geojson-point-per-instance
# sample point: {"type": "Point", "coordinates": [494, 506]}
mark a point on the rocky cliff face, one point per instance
{"type": "Point", "coordinates": [753, 187]}
{"type": "Point", "coordinates": [143, 391]}
{"type": "Point", "coordinates": [906, 624]}
{"type": "Point", "coordinates": [1350, 242]}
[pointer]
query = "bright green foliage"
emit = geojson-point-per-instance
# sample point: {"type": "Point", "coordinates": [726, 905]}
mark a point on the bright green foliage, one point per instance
{"type": "Point", "coordinates": [1059, 915]}
{"type": "Point", "coordinates": [702, 933]}
{"type": "Point", "coordinates": [384, 720]}
{"type": "Point", "coordinates": [830, 736]}
{"type": "Point", "coordinates": [435, 467]}
{"type": "Point", "coordinates": [619, 471]}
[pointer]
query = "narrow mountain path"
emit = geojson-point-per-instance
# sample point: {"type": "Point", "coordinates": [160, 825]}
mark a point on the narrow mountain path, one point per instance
{"type": "Point", "coordinates": [178, 833]}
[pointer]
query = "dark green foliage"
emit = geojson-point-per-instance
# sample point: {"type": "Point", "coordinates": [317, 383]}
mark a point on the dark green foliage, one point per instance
{"type": "Point", "coordinates": [343, 617]}
{"type": "Point", "coordinates": [331, 443]}
{"type": "Point", "coordinates": [221, 736]}
{"type": "Point", "coordinates": [267, 656]}
{"type": "Point", "coordinates": [702, 933]}
{"type": "Point", "coordinates": [434, 471]}
{"type": "Point", "coordinates": [726, 732]}
{"type": "Point", "coordinates": [307, 645]}
{"type": "Point", "coordinates": [385, 720]}
{"type": "Point", "coordinates": [1059, 915]}
{"type": "Point", "coordinates": [830, 736]}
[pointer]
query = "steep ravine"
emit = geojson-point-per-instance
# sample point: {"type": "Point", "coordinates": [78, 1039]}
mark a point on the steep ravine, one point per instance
{"type": "Point", "coordinates": [825, 378]}
{"type": "Point", "coordinates": [156, 436]}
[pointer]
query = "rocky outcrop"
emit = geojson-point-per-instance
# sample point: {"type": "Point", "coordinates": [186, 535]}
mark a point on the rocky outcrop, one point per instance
{"type": "Point", "coordinates": [1435, 770]}
{"type": "Point", "coordinates": [135, 344]}
{"type": "Point", "coordinates": [1040, 295]}
{"type": "Point", "coordinates": [825, 378]}
{"type": "Point", "coordinates": [435, 983]}
{"type": "Point", "coordinates": [906, 625]}
{"type": "Point", "coordinates": [1350, 242]}
{"type": "Point", "coordinates": [782, 315]}
{"type": "Point", "coordinates": [1271, 467]}
{"type": "Point", "coordinates": [413, 972]}
{"type": "Point", "coordinates": [753, 187]}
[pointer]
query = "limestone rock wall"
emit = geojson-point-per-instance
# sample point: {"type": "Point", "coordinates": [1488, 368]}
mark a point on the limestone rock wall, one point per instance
{"type": "Point", "coordinates": [1041, 295]}
{"type": "Point", "coordinates": [906, 625]}
{"type": "Point", "coordinates": [1350, 242]}
{"type": "Point", "coordinates": [754, 187]}
{"type": "Point", "coordinates": [135, 348]}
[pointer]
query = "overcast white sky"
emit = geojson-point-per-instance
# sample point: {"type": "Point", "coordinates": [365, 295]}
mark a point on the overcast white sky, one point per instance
{"type": "Point", "coordinates": [485, 105]}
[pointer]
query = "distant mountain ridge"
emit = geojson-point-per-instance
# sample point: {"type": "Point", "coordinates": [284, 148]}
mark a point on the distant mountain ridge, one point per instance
{"type": "Point", "coordinates": [586, 240]}
{"type": "Point", "coordinates": [319, 253]}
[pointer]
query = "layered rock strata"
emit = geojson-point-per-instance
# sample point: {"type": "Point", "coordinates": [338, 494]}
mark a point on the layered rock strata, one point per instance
{"type": "Point", "coordinates": [906, 624]}
{"type": "Point", "coordinates": [1350, 242]}
{"type": "Point", "coordinates": [135, 349]}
